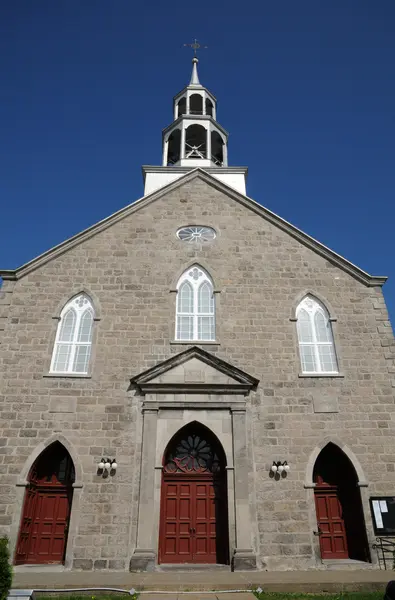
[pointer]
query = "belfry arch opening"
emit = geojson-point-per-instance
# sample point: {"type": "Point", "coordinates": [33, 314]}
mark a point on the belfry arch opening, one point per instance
{"type": "Point", "coordinates": [46, 509]}
{"type": "Point", "coordinates": [174, 147]}
{"type": "Point", "coordinates": [340, 519]}
{"type": "Point", "coordinates": [194, 506]}
{"type": "Point", "coordinates": [195, 142]}
{"type": "Point", "coordinates": [209, 107]}
{"type": "Point", "coordinates": [196, 104]}
{"type": "Point", "coordinates": [182, 107]}
{"type": "Point", "coordinates": [217, 148]}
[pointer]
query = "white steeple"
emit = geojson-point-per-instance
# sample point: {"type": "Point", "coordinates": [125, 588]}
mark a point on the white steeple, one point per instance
{"type": "Point", "coordinates": [194, 76]}
{"type": "Point", "coordinates": [194, 139]}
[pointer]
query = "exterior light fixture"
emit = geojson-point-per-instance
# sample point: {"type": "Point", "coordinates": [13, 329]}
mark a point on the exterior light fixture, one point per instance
{"type": "Point", "coordinates": [106, 465]}
{"type": "Point", "coordinates": [280, 467]}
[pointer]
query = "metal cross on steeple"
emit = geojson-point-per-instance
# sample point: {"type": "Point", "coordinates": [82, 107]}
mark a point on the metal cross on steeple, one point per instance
{"type": "Point", "coordinates": [196, 46]}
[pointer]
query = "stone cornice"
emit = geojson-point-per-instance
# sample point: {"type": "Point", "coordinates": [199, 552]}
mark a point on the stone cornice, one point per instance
{"type": "Point", "coordinates": [225, 404]}
{"type": "Point", "coordinates": [303, 238]}
{"type": "Point", "coordinates": [193, 388]}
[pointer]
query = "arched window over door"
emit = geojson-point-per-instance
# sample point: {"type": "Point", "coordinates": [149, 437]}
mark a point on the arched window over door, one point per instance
{"type": "Point", "coordinates": [195, 310]}
{"type": "Point", "coordinates": [194, 507]}
{"type": "Point", "coordinates": [47, 507]}
{"type": "Point", "coordinates": [340, 519]}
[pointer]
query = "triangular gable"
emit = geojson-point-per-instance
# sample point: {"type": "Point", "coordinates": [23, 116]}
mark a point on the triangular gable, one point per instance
{"type": "Point", "coordinates": [194, 370]}
{"type": "Point", "coordinates": [304, 238]}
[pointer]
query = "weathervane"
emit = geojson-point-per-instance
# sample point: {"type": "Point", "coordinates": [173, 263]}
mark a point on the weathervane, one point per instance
{"type": "Point", "coordinates": [196, 46]}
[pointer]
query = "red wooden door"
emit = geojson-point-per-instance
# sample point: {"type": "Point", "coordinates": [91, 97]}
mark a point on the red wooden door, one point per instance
{"type": "Point", "coordinates": [26, 524]}
{"type": "Point", "coordinates": [188, 522]}
{"type": "Point", "coordinates": [49, 526]}
{"type": "Point", "coordinates": [333, 538]}
{"type": "Point", "coordinates": [47, 507]}
{"type": "Point", "coordinates": [204, 540]}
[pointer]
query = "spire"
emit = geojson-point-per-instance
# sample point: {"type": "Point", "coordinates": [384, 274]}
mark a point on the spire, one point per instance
{"type": "Point", "coordinates": [194, 76]}
{"type": "Point", "coordinates": [194, 138]}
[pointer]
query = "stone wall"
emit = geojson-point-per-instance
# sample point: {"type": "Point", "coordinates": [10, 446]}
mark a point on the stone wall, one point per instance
{"type": "Point", "coordinates": [260, 273]}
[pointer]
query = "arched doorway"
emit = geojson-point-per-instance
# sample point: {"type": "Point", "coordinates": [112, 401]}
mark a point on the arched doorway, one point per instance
{"type": "Point", "coordinates": [194, 508]}
{"type": "Point", "coordinates": [340, 520]}
{"type": "Point", "coordinates": [47, 506]}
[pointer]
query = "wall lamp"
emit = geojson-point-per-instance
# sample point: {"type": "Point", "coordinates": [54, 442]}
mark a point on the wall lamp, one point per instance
{"type": "Point", "coordinates": [280, 467]}
{"type": "Point", "coordinates": [106, 464]}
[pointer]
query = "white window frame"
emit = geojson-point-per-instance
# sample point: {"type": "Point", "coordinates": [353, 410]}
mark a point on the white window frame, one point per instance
{"type": "Point", "coordinates": [79, 305]}
{"type": "Point", "coordinates": [196, 276]}
{"type": "Point", "coordinates": [312, 306]}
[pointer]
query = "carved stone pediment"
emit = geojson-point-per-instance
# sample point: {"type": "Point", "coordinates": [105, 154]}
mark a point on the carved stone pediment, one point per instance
{"type": "Point", "coordinates": [194, 371]}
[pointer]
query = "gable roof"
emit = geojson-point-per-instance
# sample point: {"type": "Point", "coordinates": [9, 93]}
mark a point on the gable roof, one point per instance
{"type": "Point", "coordinates": [268, 215]}
{"type": "Point", "coordinates": [194, 370]}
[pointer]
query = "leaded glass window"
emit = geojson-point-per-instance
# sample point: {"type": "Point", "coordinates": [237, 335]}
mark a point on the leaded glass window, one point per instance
{"type": "Point", "coordinates": [73, 342]}
{"type": "Point", "coordinates": [195, 311]}
{"type": "Point", "coordinates": [316, 344]}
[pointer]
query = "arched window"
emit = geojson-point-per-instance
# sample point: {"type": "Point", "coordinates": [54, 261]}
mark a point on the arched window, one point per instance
{"type": "Point", "coordinates": [73, 341]}
{"type": "Point", "coordinates": [316, 345]}
{"type": "Point", "coordinates": [195, 311]}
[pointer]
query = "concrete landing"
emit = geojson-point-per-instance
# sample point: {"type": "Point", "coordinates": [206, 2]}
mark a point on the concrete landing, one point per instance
{"type": "Point", "coordinates": [270, 581]}
{"type": "Point", "coordinates": [202, 596]}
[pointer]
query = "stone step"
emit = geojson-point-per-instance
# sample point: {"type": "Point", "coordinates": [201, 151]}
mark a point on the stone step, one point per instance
{"type": "Point", "coordinates": [313, 581]}
{"type": "Point", "coordinates": [191, 568]}
{"type": "Point", "coordinates": [200, 596]}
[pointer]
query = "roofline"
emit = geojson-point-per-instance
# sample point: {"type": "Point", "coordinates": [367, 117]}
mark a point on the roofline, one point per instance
{"type": "Point", "coordinates": [194, 118]}
{"type": "Point", "coordinates": [194, 88]}
{"type": "Point", "coordinates": [185, 169]}
{"type": "Point", "coordinates": [304, 238]}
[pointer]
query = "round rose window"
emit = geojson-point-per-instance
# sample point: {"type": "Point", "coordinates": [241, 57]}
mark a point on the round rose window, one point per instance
{"type": "Point", "coordinates": [196, 233]}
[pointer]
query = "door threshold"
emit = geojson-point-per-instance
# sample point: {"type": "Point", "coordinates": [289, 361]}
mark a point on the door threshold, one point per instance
{"type": "Point", "coordinates": [343, 561]}
{"type": "Point", "coordinates": [337, 563]}
{"type": "Point", "coordinates": [39, 568]}
{"type": "Point", "coordinates": [193, 567]}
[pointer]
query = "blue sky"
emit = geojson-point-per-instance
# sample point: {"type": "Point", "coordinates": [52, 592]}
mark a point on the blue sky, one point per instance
{"type": "Point", "coordinates": [306, 90]}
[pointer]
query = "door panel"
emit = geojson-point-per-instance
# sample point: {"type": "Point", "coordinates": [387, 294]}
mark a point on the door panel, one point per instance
{"type": "Point", "coordinates": [49, 524]}
{"type": "Point", "coordinates": [333, 539]}
{"type": "Point", "coordinates": [176, 522]}
{"type": "Point", "coordinates": [205, 525]}
{"type": "Point", "coordinates": [26, 525]}
{"type": "Point", "coordinates": [188, 522]}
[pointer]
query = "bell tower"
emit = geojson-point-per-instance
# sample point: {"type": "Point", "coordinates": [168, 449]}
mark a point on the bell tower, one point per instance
{"type": "Point", "coordinates": [194, 139]}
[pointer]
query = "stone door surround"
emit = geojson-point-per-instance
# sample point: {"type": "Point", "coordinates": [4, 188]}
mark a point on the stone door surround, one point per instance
{"type": "Point", "coordinates": [194, 386]}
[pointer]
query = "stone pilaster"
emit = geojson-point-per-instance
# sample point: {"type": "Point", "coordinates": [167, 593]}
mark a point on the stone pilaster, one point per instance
{"type": "Point", "coordinates": [144, 556]}
{"type": "Point", "coordinates": [244, 557]}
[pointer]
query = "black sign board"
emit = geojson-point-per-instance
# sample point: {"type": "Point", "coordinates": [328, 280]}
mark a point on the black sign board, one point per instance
{"type": "Point", "coordinates": [383, 514]}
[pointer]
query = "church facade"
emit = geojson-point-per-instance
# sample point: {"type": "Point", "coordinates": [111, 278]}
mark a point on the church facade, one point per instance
{"type": "Point", "coordinates": [193, 380]}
